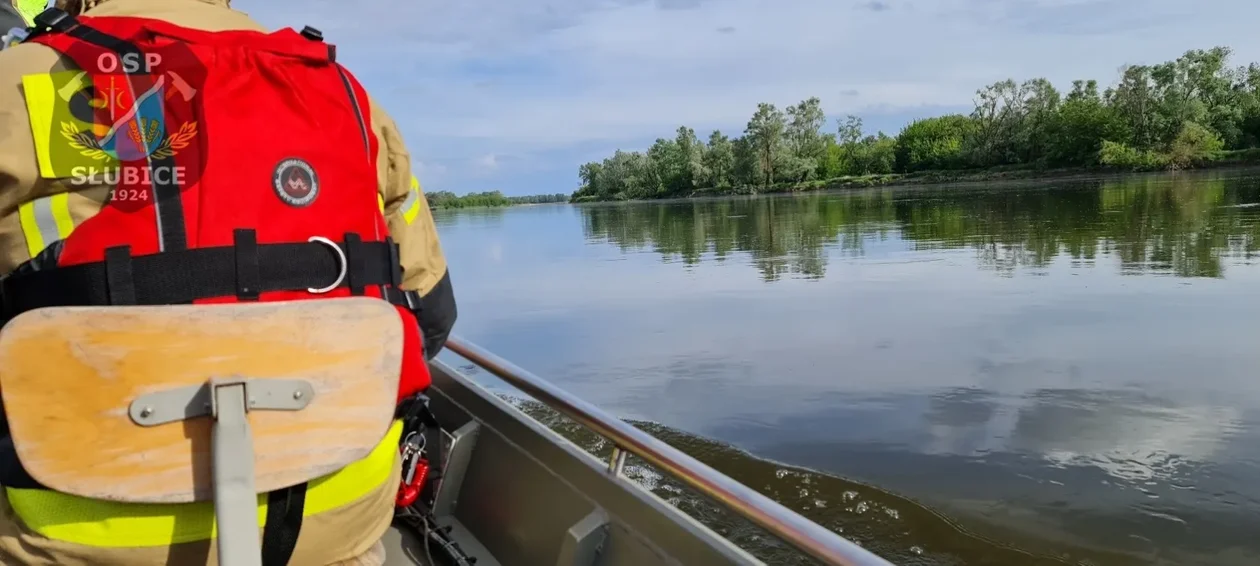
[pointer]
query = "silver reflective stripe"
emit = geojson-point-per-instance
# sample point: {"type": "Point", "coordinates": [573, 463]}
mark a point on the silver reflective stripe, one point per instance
{"type": "Point", "coordinates": [412, 197]}
{"type": "Point", "coordinates": [45, 222]}
{"type": "Point", "coordinates": [157, 217]}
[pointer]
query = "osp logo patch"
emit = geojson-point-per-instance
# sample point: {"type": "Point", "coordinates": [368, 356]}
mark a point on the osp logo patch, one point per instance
{"type": "Point", "coordinates": [129, 121]}
{"type": "Point", "coordinates": [295, 182]}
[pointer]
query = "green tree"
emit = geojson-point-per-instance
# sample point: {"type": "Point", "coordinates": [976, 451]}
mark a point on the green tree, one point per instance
{"type": "Point", "coordinates": [719, 161]}
{"type": "Point", "coordinates": [1084, 120]}
{"type": "Point", "coordinates": [1180, 113]}
{"type": "Point", "coordinates": [1135, 102]}
{"type": "Point", "coordinates": [934, 143]}
{"type": "Point", "coordinates": [803, 132]}
{"type": "Point", "coordinates": [748, 169]}
{"type": "Point", "coordinates": [765, 135]}
{"type": "Point", "coordinates": [1193, 145]}
{"type": "Point", "coordinates": [848, 137]}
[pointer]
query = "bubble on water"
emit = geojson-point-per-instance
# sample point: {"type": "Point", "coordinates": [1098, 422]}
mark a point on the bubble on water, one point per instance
{"type": "Point", "coordinates": [916, 550]}
{"type": "Point", "coordinates": [850, 496]}
{"type": "Point", "coordinates": [804, 493]}
{"type": "Point", "coordinates": [781, 473]}
{"type": "Point", "coordinates": [820, 503]}
{"type": "Point", "coordinates": [892, 513]}
{"type": "Point", "coordinates": [647, 477]}
{"type": "Point", "coordinates": [862, 507]}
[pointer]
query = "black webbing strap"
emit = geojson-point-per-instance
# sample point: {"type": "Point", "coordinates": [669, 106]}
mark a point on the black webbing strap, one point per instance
{"type": "Point", "coordinates": [248, 272]}
{"type": "Point", "coordinates": [284, 521]}
{"type": "Point", "coordinates": [166, 191]}
{"type": "Point", "coordinates": [120, 284]}
{"type": "Point", "coordinates": [354, 259]}
{"type": "Point", "coordinates": [52, 20]}
{"type": "Point", "coordinates": [171, 278]}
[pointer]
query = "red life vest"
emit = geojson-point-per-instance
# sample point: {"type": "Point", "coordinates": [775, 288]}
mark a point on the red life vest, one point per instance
{"type": "Point", "coordinates": [246, 171]}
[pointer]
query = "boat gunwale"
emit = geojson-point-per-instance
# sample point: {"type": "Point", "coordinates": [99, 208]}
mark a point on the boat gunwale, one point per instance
{"type": "Point", "coordinates": [782, 523]}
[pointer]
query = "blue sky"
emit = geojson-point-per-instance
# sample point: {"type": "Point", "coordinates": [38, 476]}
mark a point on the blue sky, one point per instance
{"type": "Point", "coordinates": [515, 94]}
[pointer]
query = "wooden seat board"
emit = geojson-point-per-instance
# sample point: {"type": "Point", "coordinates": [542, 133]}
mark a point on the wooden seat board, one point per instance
{"type": "Point", "coordinates": [68, 375]}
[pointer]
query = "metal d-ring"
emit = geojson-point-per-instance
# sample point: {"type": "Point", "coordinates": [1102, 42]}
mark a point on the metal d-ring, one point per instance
{"type": "Point", "coordinates": [340, 255]}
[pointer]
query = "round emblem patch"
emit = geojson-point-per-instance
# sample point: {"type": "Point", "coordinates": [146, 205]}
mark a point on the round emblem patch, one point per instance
{"type": "Point", "coordinates": [295, 182]}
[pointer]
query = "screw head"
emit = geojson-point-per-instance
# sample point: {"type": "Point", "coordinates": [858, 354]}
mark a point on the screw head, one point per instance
{"type": "Point", "coordinates": [146, 412]}
{"type": "Point", "coordinates": [297, 394]}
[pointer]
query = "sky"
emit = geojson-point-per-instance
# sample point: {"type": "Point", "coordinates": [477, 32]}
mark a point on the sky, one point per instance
{"type": "Point", "coordinates": [514, 95]}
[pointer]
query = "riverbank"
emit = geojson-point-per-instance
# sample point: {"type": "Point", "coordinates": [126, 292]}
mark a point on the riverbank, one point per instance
{"type": "Point", "coordinates": [1242, 159]}
{"type": "Point", "coordinates": [491, 199]}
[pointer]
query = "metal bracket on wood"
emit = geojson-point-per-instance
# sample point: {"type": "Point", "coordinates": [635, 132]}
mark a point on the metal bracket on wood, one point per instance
{"type": "Point", "coordinates": [585, 540]}
{"type": "Point", "coordinates": [174, 405]}
{"type": "Point", "coordinates": [228, 401]}
{"type": "Point", "coordinates": [462, 443]}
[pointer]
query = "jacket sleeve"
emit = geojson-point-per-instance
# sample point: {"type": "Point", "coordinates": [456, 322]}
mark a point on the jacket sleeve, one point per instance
{"type": "Point", "coordinates": [20, 179]}
{"type": "Point", "coordinates": [411, 225]}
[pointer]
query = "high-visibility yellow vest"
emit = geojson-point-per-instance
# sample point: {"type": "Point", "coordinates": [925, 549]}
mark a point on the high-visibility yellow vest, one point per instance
{"type": "Point", "coordinates": [31, 8]}
{"type": "Point", "coordinates": [93, 522]}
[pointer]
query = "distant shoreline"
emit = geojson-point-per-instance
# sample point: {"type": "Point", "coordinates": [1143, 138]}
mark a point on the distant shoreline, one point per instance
{"type": "Point", "coordinates": [1226, 160]}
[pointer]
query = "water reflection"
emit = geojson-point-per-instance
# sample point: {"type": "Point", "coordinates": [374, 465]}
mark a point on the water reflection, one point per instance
{"type": "Point", "coordinates": [1130, 435]}
{"type": "Point", "coordinates": [1097, 402]}
{"type": "Point", "coordinates": [1061, 471]}
{"type": "Point", "coordinates": [1183, 225]}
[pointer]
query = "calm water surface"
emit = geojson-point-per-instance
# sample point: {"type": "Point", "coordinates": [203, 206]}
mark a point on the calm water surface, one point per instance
{"type": "Point", "coordinates": [1040, 373]}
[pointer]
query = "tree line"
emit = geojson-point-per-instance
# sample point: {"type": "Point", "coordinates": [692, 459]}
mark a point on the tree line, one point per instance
{"type": "Point", "coordinates": [1184, 113]}
{"type": "Point", "coordinates": [447, 199]}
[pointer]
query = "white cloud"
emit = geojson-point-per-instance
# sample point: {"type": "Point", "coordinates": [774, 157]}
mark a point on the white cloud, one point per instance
{"type": "Point", "coordinates": [501, 77]}
{"type": "Point", "coordinates": [488, 162]}
{"type": "Point", "coordinates": [429, 172]}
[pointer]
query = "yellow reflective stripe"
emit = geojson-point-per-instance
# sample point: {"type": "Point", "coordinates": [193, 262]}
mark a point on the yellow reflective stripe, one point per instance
{"type": "Point", "coordinates": [53, 126]}
{"type": "Point", "coordinates": [381, 201]}
{"type": "Point", "coordinates": [61, 214]}
{"type": "Point", "coordinates": [41, 99]}
{"type": "Point", "coordinates": [411, 206]}
{"type": "Point", "coordinates": [100, 523]}
{"type": "Point", "coordinates": [45, 220]}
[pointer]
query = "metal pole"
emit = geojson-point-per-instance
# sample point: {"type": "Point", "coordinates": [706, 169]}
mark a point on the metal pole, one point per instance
{"type": "Point", "coordinates": [617, 461]}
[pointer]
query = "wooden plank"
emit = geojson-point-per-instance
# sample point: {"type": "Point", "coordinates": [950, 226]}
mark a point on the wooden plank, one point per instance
{"type": "Point", "coordinates": [67, 376]}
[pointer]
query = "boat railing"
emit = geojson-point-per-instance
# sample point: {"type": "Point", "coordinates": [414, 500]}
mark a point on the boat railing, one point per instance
{"type": "Point", "coordinates": [781, 522]}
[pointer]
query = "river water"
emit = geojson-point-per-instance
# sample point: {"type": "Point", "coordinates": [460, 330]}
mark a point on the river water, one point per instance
{"type": "Point", "coordinates": [1030, 373]}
